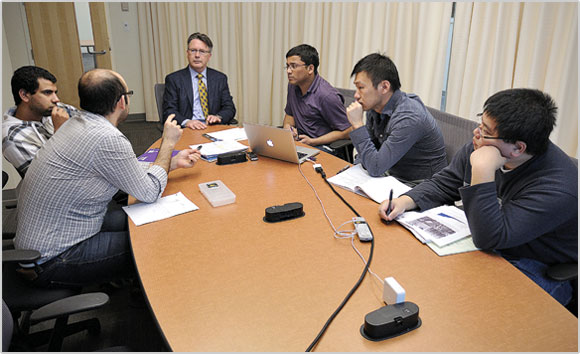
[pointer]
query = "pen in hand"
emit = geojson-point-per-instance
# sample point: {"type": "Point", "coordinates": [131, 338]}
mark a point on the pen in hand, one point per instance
{"type": "Point", "coordinates": [389, 205]}
{"type": "Point", "coordinates": [294, 131]}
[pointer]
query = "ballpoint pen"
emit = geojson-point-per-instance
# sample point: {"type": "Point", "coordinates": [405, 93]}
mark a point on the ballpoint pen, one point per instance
{"type": "Point", "coordinates": [389, 205]}
{"type": "Point", "coordinates": [343, 169]}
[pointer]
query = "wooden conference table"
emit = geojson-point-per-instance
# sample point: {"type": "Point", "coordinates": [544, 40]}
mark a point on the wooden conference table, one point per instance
{"type": "Point", "coordinates": [222, 279]}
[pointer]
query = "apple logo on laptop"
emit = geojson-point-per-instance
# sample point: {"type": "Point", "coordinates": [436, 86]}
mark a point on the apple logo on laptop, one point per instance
{"type": "Point", "coordinates": [270, 143]}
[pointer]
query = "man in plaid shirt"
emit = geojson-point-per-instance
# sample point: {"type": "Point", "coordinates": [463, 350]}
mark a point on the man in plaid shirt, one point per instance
{"type": "Point", "coordinates": [37, 115]}
{"type": "Point", "coordinates": [63, 204]}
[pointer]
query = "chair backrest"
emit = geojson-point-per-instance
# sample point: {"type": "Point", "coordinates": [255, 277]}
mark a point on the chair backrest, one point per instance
{"type": "Point", "coordinates": [348, 95]}
{"type": "Point", "coordinates": [456, 131]}
{"type": "Point", "coordinates": [159, 90]}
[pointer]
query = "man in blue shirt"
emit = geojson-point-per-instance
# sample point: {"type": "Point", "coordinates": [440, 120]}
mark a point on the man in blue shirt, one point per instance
{"type": "Point", "coordinates": [198, 95]}
{"type": "Point", "coordinates": [401, 137]}
{"type": "Point", "coordinates": [314, 109]}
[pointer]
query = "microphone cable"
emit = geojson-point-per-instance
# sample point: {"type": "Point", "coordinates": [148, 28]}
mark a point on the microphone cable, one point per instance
{"type": "Point", "coordinates": [355, 287]}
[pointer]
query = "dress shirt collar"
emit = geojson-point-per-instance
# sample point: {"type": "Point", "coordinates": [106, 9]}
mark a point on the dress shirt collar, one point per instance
{"type": "Point", "coordinates": [194, 73]}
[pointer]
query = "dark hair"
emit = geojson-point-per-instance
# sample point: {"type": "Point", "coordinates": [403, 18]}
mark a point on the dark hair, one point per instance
{"type": "Point", "coordinates": [202, 37]}
{"type": "Point", "coordinates": [26, 78]}
{"type": "Point", "coordinates": [522, 114]}
{"type": "Point", "coordinates": [307, 54]}
{"type": "Point", "coordinates": [378, 67]}
{"type": "Point", "coordinates": [99, 91]}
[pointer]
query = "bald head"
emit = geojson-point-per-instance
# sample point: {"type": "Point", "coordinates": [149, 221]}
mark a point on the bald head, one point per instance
{"type": "Point", "coordinates": [100, 90]}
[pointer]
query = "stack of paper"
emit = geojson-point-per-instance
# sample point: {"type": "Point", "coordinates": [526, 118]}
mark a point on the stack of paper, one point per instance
{"type": "Point", "coordinates": [209, 151]}
{"type": "Point", "coordinates": [357, 180]}
{"type": "Point", "coordinates": [444, 229]}
{"type": "Point", "coordinates": [229, 134]}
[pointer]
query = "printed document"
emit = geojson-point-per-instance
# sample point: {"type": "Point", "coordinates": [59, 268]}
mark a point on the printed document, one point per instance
{"type": "Point", "coordinates": [165, 207]}
{"type": "Point", "coordinates": [442, 225]}
{"type": "Point", "coordinates": [356, 179]}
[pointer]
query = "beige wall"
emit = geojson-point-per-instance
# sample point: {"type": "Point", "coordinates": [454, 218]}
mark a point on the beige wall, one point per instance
{"type": "Point", "coordinates": [125, 49]}
{"type": "Point", "coordinates": [7, 101]}
{"type": "Point", "coordinates": [15, 53]}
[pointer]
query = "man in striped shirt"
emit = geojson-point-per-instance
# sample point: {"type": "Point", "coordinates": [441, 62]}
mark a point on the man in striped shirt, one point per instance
{"type": "Point", "coordinates": [34, 119]}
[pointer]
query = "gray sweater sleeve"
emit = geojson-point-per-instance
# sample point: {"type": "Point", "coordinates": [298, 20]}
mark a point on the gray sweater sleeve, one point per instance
{"type": "Point", "coordinates": [405, 133]}
{"type": "Point", "coordinates": [443, 187]}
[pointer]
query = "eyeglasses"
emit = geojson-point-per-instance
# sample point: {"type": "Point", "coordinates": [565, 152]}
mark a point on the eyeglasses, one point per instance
{"type": "Point", "coordinates": [293, 66]}
{"type": "Point", "coordinates": [200, 51]}
{"type": "Point", "coordinates": [481, 132]}
{"type": "Point", "coordinates": [127, 94]}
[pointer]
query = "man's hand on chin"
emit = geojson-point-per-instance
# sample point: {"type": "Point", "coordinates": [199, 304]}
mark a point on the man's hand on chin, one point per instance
{"type": "Point", "coordinates": [485, 160]}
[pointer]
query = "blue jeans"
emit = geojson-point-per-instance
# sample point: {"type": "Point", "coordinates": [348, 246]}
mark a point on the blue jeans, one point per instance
{"type": "Point", "coordinates": [535, 270]}
{"type": "Point", "coordinates": [101, 258]}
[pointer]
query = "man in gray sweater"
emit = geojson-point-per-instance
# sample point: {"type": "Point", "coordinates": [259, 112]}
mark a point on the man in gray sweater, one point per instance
{"type": "Point", "coordinates": [400, 137]}
{"type": "Point", "coordinates": [519, 190]}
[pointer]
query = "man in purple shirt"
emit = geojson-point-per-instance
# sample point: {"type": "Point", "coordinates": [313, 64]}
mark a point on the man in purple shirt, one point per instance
{"type": "Point", "coordinates": [314, 110]}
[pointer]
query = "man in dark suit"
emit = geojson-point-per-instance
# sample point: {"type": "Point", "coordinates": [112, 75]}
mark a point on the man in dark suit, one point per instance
{"type": "Point", "coordinates": [198, 95]}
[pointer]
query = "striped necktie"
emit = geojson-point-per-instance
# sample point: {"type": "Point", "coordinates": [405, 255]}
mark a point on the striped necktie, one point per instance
{"type": "Point", "coordinates": [202, 95]}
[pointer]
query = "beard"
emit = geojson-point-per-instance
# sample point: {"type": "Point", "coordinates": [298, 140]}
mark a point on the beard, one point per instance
{"type": "Point", "coordinates": [124, 115]}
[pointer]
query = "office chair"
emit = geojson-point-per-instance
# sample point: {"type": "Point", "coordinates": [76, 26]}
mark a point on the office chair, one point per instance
{"type": "Point", "coordinates": [456, 131]}
{"type": "Point", "coordinates": [9, 201]}
{"type": "Point", "coordinates": [9, 196]}
{"type": "Point", "coordinates": [159, 92]}
{"type": "Point", "coordinates": [34, 305]}
{"type": "Point", "coordinates": [563, 272]}
{"type": "Point", "coordinates": [344, 147]}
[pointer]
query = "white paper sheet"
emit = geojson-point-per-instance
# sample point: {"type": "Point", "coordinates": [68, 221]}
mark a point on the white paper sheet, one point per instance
{"type": "Point", "coordinates": [230, 134]}
{"type": "Point", "coordinates": [219, 147]}
{"type": "Point", "coordinates": [357, 180]}
{"type": "Point", "coordinates": [165, 207]}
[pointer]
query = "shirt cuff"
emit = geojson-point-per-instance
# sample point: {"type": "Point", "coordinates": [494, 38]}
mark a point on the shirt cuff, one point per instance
{"type": "Point", "coordinates": [160, 174]}
{"type": "Point", "coordinates": [471, 194]}
{"type": "Point", "coordinates": [359, 134]}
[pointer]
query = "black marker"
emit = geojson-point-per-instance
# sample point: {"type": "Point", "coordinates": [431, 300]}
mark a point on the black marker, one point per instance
{"type": "Point", "coordinates": [389, 205]}
{"type": "Point", "coordinates": [199, 147]}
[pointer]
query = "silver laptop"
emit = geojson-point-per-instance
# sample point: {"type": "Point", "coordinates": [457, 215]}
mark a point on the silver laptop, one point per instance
{"type": "Point", "coordinates": [276, 143]}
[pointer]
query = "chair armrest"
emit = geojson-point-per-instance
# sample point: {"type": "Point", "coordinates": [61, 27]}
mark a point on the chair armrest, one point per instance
{"type": "Point", "coordinates": [562, 272]}
{"type": "Point", "coordinates": [337, 144]}
{"type": "Point", "coordinates": [68, 306]}
{"type": "Point", "coordinates": [22, 256]}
